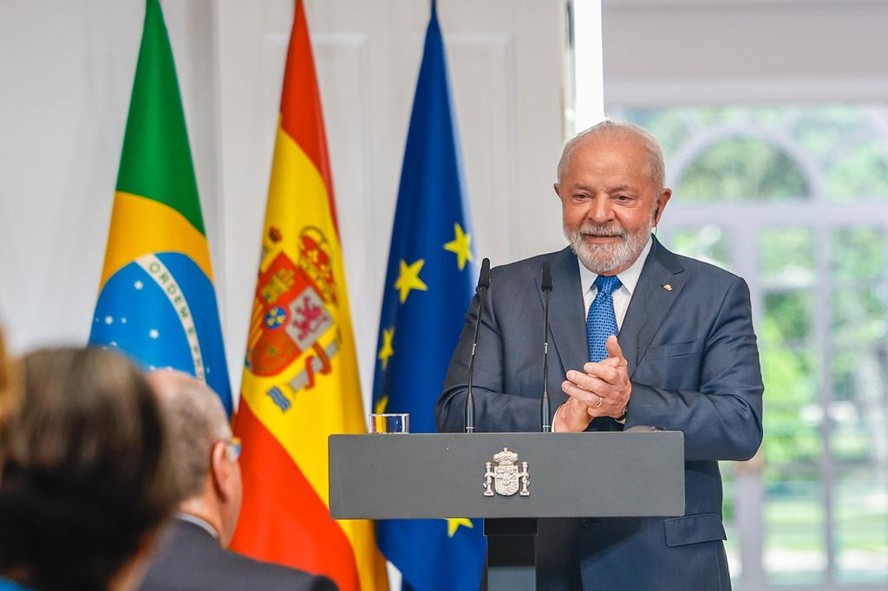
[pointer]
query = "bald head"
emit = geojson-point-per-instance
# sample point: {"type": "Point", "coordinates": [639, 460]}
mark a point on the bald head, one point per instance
{"type": "Point", "coordinates": [196, 420]}
{"type": "Point", "coordinates": [622, 131]}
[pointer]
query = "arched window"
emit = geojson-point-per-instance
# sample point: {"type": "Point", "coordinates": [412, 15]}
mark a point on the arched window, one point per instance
{"type": "Point", "coordinates": [795, 199]}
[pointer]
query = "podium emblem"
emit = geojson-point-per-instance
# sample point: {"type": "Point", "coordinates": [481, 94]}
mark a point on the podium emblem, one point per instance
{"type": "Point", "coordinates": [505, 477]}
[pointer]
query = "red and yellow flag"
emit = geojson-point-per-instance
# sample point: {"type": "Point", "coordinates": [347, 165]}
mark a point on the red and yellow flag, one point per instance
{"type": "Point", "coordinates": [301, 376]}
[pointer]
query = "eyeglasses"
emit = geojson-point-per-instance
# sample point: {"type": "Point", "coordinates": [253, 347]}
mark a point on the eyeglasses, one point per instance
{"type": "Point", "coordinates": [234, 447]}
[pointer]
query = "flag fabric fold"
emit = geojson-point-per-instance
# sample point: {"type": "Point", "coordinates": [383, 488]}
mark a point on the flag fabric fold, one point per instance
{"type": "Point", "coordinates": [156, 299]}
{"type": "Point", "coordinates": [429, 283]}
{"type": "Point", "coordinates": [300, 381]}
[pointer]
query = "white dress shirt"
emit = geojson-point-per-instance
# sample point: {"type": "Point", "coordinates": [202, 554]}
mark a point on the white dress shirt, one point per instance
{"type": "Point", "coordinates": [622, 296]}
{"type": "Point", "coordinates": [201, 523]}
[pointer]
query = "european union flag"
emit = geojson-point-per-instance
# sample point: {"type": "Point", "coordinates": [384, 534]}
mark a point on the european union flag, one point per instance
{"type": "Point", "coordinates": [429, 284]}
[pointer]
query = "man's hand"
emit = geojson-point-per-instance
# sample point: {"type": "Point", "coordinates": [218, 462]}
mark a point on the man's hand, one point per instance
{"type": "Point", "coordinates": [602, 391]}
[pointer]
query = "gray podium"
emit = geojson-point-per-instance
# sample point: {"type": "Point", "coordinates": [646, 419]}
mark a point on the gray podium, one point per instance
{"type": "Point", "coordinates": [510, 480]}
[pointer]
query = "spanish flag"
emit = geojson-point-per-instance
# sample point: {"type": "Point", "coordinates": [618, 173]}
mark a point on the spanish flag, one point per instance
{"type": "Point", "coordinates": [300, 379]}
{"type": "Point", "coordinates": [156, 302]}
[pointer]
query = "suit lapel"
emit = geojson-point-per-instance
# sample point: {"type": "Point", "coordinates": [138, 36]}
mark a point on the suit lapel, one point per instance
{"type": "Point", "coordinates": [566, 313]}
{"type": "Point", "coordinates": [659, 285]}
{"type": "Point", "coordinates": [662, 280]}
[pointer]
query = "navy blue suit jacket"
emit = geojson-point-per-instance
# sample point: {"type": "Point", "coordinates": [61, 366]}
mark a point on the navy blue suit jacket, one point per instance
{"type": "Point", "coordinates": [191, 559]}
{"type": "Point", "coordinates": [694, 366]}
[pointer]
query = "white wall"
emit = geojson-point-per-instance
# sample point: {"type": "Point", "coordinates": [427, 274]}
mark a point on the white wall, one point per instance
{"type": "Point", "coordinates": [66, 69]}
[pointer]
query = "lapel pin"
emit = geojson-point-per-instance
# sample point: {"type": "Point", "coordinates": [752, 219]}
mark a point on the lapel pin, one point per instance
{"type": "Point", "coordinates": [667, 287]}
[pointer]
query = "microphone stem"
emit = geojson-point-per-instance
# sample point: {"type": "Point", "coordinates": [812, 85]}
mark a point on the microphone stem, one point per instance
{"type": "Point", "coordinates": [483, 285]}
{"type": "Point", "coordinates": [545, 421]}
{"type": "Point", "coordinates": [470, 397]}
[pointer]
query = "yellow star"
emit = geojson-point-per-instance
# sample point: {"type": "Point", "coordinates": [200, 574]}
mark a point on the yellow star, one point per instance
{"type": "Point", "coordinates": [409, 279]}
{"type": "Point", "coordinates": [461, 245]}
{"type": "Point", "coordinates": [454, 523]}
{"type": "Point", "coordinates": [387, 351]}
{"type": "Point", "coordinates": [381, 404]}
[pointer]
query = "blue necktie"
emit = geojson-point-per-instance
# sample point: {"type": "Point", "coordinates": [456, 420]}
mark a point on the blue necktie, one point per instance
{"type": "Point", "coordinates": [601, 322]}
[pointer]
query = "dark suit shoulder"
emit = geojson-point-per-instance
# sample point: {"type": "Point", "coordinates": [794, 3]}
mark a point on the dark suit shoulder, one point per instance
{"type": "Point", "coordinates": [530, 268]}
{"type": "Point", "coordinates": [711, 277]}
{"type": "Point", "coordinates": [190, 559]}
{"type": "Point", "coordinates": [697, 269]}
{"type": "Point", "coordinates": [254, 574]}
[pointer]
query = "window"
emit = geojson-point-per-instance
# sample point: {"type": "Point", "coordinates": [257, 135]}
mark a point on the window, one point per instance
{"type": "Point", "coordinates": [795, 199]}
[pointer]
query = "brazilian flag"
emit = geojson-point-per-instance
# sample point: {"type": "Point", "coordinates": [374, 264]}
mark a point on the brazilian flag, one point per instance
{"type": "Point", "coordinates": [157, 302]}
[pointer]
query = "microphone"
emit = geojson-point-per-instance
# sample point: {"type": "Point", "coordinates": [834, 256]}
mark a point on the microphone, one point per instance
{"type": "Point", "coordinates": [483, 285]}
{"type": "Point", "coordinates": [546, 286]}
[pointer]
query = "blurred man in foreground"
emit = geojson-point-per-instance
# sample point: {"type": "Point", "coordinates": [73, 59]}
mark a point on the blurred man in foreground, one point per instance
{"type": "Point", "coordinates": [86, 477]}
{"type": "Point", "coordinates": [7, 385]}
{"type": "Point", "coordinates": [206, 456]}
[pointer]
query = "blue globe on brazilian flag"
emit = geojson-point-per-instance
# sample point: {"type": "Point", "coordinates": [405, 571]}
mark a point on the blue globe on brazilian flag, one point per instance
{"type": "Point", "coordinates": [161, 310]}
{"type": "Point", "coordinates": [157, 302]}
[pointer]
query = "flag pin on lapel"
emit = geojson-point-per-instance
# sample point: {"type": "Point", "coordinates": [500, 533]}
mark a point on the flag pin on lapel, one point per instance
{"type": "Point", "coordinates": [667, 287]}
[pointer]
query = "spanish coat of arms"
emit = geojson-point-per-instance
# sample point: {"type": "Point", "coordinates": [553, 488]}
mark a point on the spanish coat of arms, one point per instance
{"type": "Point", "coordinates": [290, 310]}
{"type": "Point", "coordinates": [506, 478]}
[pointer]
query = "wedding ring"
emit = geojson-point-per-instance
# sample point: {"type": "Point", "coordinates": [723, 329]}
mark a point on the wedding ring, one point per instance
{"type": "Point", "coordinates": [600, 401]}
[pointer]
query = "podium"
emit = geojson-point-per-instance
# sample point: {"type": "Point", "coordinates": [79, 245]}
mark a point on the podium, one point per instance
{"type": "Point", "coordinates": [511, 480]}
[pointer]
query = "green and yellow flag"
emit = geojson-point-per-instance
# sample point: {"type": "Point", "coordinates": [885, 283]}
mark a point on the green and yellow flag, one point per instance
{"type": "Point", "coordinates": [157, 302]}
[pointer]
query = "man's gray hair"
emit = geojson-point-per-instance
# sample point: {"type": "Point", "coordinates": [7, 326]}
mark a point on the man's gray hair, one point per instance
{"type": "Point", "coordinates": [196, 421]}
{"type": "Point", "coordinates": [610, 128]}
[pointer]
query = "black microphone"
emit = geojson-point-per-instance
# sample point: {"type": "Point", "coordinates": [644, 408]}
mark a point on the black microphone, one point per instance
{"type": "Point", "coordinates": [546, 286]}
{"type": "Point", "coordinates": [483, 285]}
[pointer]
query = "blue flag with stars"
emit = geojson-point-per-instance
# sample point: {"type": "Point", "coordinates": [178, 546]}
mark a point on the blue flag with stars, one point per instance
{"type": "Point", "coordinates": [429, 283]}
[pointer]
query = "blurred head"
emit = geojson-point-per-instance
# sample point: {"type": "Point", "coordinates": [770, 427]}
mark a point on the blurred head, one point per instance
{"type": "Point", "coordinates": [204, 450]}
{"type": "Point", "coordinates": [8, 385]}
{"type": "Point", "coordinates": [610, 182]}
{"type": "Point", "coordinates": [86, 478]}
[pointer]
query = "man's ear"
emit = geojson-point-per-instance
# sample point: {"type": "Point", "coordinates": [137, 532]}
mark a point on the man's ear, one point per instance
{"type": "Point", "coordinates": [222, 471]}
{"type": "Point", "coordinates": [557, 188]}
{"type": "Point", "coordinates": [662, 200]}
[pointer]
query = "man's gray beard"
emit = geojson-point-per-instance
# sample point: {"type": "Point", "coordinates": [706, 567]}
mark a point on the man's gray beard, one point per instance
{"type": "Point", "coordinates": [605, 258]}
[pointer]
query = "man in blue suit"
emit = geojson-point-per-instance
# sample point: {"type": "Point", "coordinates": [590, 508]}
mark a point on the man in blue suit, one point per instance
{"type": "Point", "coordinates": [684, 359]}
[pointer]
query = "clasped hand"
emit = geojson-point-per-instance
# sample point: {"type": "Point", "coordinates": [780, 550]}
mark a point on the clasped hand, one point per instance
{"type": "Point", "coordinates": [602, 389]}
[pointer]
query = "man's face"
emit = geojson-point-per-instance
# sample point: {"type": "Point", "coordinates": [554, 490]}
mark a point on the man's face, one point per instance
{"type": "Point", "coordinates": [609, 202]}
